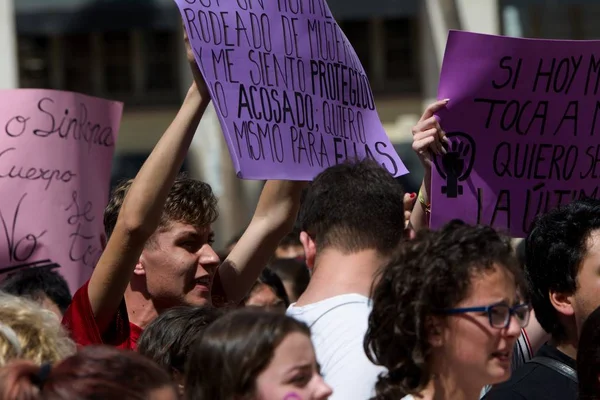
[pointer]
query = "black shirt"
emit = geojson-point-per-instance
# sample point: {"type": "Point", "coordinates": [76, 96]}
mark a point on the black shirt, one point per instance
{"type": "Point", "coordinates": [534, 381]}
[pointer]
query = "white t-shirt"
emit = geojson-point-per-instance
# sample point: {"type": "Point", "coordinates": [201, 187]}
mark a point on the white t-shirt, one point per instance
{"type": "Point", "coordinates": [338, 326]}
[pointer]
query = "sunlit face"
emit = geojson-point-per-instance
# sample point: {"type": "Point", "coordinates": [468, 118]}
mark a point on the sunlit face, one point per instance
{"type": "Point", "coordinates": [469, 343]}
{"type": "Point", "coordinates": [264, 296]}
{"type": "Point", "coordinates": [587, 296]}
{"type": "Point", "coordinates": [179, 264]}
{"type": "Point", "coordinates": [292, 374]}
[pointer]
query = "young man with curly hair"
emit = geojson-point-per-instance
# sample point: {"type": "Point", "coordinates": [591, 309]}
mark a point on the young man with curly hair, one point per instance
{"type": "Point", "coordinates": [159, 253]}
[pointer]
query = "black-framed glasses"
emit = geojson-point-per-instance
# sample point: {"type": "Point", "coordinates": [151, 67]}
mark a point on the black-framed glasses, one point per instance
{"type": "Point", "coordinates": [499, 314]}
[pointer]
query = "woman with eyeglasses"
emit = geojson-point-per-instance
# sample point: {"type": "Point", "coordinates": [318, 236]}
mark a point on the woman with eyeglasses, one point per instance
{"type": "Point", "coordinates": [447, 312]}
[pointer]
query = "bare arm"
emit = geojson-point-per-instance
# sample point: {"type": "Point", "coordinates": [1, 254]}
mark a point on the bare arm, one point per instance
{"type": "Point", "coordinates": [142, 208]}
{"type": "Point", "coordinates": [427, 140]}
{"type": "Point", "coordinates": [273, 219]}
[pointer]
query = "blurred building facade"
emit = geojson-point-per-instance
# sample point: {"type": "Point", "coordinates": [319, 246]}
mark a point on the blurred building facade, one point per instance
{"type": "Point", "coordinates": [131, 50]}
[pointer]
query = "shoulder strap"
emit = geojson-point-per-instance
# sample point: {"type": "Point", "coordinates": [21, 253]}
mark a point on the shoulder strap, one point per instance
{"type": "Point", "coordinates": [557, 366]}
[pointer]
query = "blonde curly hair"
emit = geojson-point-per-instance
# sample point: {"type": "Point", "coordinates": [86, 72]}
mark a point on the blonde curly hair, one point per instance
{"type": "Point", "coordinates": [30, 332]}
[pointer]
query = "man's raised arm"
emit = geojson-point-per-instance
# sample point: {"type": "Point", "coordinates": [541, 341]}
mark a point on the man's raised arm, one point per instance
{"type": "Point", "coordinates": [143, 205]}
{"type": "Point", "coordinates": [274, 217]}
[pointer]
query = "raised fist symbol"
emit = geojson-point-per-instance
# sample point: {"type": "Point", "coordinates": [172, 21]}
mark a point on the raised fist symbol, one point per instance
{"type": "Point", "coordinates": [457, 163]}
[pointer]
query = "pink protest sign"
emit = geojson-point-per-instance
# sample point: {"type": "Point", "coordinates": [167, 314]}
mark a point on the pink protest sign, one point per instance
{"type": "Point", "coordinates": [56, 151]}
{"type": "Point", "coordinates": [524, 125]}
{"type": "Point", "coordinates": [289, 90]}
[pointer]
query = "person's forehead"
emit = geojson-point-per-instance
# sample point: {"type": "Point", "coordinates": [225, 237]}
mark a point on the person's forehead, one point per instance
{"type": "Point", "coordinates": [177, 228]}
{"type": "Point", "coordinates": [593, 242]}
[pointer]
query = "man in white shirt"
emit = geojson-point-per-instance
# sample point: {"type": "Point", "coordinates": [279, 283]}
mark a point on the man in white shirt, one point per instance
{"type": "Point", "coordinates": [351, 220]}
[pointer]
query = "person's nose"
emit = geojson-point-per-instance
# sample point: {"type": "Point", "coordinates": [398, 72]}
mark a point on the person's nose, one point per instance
{"type": "Point", "coordinates": [514, 327]}
{"type": "Point", "coordinates": [322, 390]}
{"type": "Point", "coordinates": [208, 257]}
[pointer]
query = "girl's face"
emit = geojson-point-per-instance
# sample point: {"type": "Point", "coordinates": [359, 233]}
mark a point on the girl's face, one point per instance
{"type": "Point", "coordinates": [469, 344]}
{"type": "Point", "coordinates": [293, 373]}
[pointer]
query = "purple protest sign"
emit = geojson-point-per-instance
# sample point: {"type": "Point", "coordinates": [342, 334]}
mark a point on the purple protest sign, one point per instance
{"type": "Point", "coordinates": [289, 90]}
{"type": "Point", "coordinates": [523, 121]}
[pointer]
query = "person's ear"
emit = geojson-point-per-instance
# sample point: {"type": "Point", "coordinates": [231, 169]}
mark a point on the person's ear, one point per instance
{"type": "Point", "coordinates": [310, 249]}
{"type": "Point", "coordinates": [562, 302]}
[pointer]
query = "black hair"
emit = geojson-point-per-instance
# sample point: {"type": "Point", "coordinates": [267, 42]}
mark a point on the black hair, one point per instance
{"type": "Point", "coordinates": [354, 206]}
{"type": "Point", "coordinates": [269, 278]}
{"type": "Point", "coordinates": [291, 239]}
{"type": "Point", "coordinates": [555, 249]}
{"type": "Point", "coordinates": [168, 339]}
{"type": "Point", "coordinates": [35, 283]}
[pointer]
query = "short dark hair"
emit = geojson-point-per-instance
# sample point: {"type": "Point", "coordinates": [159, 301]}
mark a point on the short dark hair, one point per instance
{"type": "Point", "coordinates": [95, 372]}
{"type": "Point", "coordinates": [272, 280]}
{"type": "Point", "coordinates": [555, 248]}
{"type": "Point", "coordinates": [588, 357]}
{"type": "Point", "coordinates": [35, 283]}
{"type": "Point", "coordinates": [295, 271]}
{"type": "Point", "coordinates": [291, 239]}
{"type": "Point", "coordinates": [354, 206]}
{"type": "Point", "coordinates": [189, 201]}
{"type": "Point", "coordinates": [432, 272]}
{"type": "Point", "coordinates": [168, 339]}
{"type": "Point", "coordinates": [235, 349]}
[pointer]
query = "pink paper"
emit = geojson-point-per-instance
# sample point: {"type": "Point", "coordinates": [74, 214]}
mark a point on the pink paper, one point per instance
{"type": "Point", "coordinates": [56, 152]}
{"type": "Point", "coordinates": [524, 121]}
{"type": "Point", "coordinates": [289, 90]}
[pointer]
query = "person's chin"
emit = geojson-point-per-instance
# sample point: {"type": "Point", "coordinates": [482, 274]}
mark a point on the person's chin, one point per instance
{"type": "Point", "coordinates": [198, 297]}
{"type": "Point", "coordinates": [499, 372]}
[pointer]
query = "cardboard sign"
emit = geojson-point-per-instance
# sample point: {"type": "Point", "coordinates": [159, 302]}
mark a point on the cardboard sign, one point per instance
{"type": "Point", "coordinates": [289, 90]}
{"type": "Point", "coordinates": [56, 151]}
{"type": "Point", "coordinates": [524, 125]}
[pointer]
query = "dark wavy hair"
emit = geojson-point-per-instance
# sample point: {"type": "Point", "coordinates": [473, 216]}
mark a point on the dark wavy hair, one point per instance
{"type": "Point", "coordinates": [555, 248]}
{"type": "Point", "coordinates": [432, 272]}
{"type": "Point", "coordinates": [234, 350]}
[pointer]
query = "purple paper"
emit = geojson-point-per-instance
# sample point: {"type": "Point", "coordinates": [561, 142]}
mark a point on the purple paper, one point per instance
{"type": "Point", "coordinates": [289, 90]}
{"type": "Point", "coordinates": [524, 125]}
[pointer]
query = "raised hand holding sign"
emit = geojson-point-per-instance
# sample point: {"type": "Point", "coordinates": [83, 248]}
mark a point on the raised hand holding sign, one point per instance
{"type": "Point", "coordinates": [289, 90]}
{"type": "Point", "coordinates": [529, 118]}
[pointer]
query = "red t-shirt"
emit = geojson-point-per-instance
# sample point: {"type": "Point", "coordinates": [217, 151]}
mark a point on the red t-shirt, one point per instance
{"type": "Point", "coordinates": [79, 320]}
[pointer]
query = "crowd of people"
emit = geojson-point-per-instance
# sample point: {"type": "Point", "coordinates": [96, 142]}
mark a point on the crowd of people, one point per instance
{"type": "Point", "coordinates": [337, 289]}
